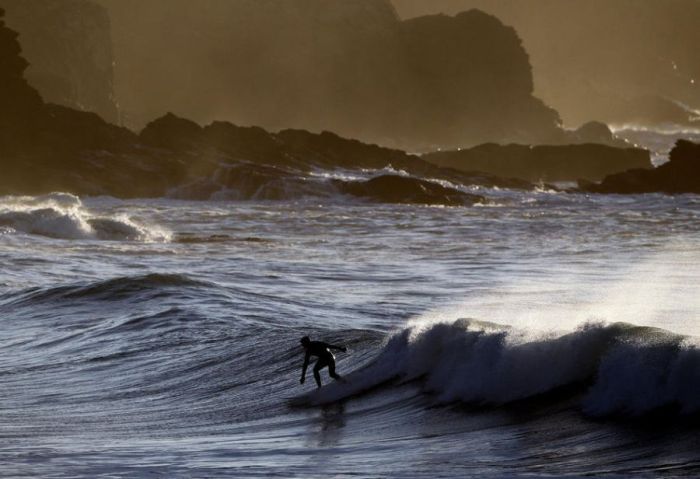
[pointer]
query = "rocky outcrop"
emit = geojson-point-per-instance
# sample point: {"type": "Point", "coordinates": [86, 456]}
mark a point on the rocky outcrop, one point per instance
{"type": "Point", "coordinates": [402, 189]}
{"type": "Point", "coordinates": [81, 153]}
{"type": "Point", "coordinates": [20, 102]}
{"type": "Point", "coordinates": [594, 132]}
{"type": "Point", "coordinates": [680, 175]}
{"type": "Point", "coordinates": [300, 150]}
{"type": "Point", "coordinates": [469, 81]}
{"type": "Point", "coordinates": [69, 47]}
{"type": "Point", "coordinates": [544, 163]}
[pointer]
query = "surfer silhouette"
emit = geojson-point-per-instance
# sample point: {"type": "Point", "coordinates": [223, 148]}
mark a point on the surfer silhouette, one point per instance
{"type": "Point", "coordinates": [325, 358]}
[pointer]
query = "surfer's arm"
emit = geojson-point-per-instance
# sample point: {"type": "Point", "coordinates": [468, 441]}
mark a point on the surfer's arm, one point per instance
{"type": "Point", "coordinates": [303, 369]}
{"type": "Point", "coordinates": [339, 348]}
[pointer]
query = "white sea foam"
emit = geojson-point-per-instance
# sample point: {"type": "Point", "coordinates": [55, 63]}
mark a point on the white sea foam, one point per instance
{"type": "Point", "coordinates": [486, 363]}
{"type": "Point", "coordinates": [63, 216]}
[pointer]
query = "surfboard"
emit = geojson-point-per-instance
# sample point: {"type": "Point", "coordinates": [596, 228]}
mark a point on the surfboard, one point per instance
{"type": "Point", "coordinates": [353, 384]}
{"type": "Point", "coordinates": [331, 392]}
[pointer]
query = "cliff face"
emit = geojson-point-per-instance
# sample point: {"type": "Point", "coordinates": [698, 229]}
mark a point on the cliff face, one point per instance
{"type": "Point", "coordinates": [469, 80]}
{"type": "Point", "coordinates": [69, 47]}
{"type": "Point", "coordinates": [347, 66]}
{"type": "Point", "coordinates": [20, 102]}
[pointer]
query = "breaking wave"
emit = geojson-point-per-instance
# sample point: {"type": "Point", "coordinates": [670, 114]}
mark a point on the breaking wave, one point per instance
{"type": "Point", "coordinates": [620, 368]}
{"type": "Point", "coordinates": [63, 216]}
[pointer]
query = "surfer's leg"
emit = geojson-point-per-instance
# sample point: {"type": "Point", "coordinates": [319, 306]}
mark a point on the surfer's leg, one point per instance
{"type": "Point", "coordinates": [320, 364]}
{"type": "Point", "coordinates": [331, 371]}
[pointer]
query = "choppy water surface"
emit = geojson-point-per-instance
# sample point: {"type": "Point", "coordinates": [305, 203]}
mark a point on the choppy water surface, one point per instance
{"type": "Point", "coordinates": [542, 334]}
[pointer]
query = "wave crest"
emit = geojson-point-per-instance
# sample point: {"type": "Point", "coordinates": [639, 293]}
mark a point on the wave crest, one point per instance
{"type": "Point", "coordinates": [63, 216]}
{"type": "Point", "coordinates": [114, 289]}
{"type": "Point", "coordinates": [625, 369]}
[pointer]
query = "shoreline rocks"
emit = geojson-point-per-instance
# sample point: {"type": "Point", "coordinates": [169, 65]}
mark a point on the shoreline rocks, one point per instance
{"type": "Point", "coordinates": [681, 174]}
{"type": "Point", "coordinates": [407, 190]}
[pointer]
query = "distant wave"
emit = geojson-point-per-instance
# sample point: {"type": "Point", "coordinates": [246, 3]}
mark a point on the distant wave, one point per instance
{"type": "Point", "coordinates": [111, 289]}
{"type": "Point", "coordinates": [624, 369]}
{"type": "Point", "coordinates": [191, 238]}
{"type": "Point", "coordinates": [63, 216]}
{"type": "Point", "coordinates": [663, 129]}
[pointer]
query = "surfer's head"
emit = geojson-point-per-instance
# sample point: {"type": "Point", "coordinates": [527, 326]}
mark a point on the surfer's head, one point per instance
{"type": "Point", "coordinates": [305, 341]}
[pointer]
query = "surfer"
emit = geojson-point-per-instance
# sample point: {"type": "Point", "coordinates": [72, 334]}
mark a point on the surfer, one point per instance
{"type": "Point", "coordinates": [325, 358]}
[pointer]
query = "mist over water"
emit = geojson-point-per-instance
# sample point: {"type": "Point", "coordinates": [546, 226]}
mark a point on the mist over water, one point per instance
{"type": "Point", "coordinates": [481, 339]}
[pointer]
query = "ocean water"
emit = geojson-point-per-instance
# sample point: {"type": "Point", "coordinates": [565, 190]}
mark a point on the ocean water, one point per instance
{"type": "Point", "coordinates": [659, 140]}
{"type": "Point", "coordinates": [541, 334]}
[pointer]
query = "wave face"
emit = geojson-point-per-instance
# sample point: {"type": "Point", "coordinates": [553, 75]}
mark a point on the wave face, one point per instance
{"type": "Point", "coordinates": [63, 216]}
{"type": "Point", "coordinates": [177, 354]}
{"type": "Point", "coordinates": [624, 369]}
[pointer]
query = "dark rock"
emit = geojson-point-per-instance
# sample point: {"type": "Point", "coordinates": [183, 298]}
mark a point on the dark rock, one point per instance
{"type": "Point", "coordinates": [79, 152]}
{"type": "Point", "coordinates": [469, 81]}
{"type": "Point", "coordinates": [595, 132]}
{"type": "Point", "coordinates": [247, 143]}
{"type": "Point", "coordinates": [329, 150]}
{"type": "Point", "coordinates": [402, 189]}
{"type": "Point", "coordinates": [680, 175]}
{"type": "Point", "coordinates": [20, 103]}
{"type": "Point", "coordinates": [172, 132]}
{"type": "Point", "coordinates": [544, 163]}
{"type": "Point", "coordinates": [67, 129]}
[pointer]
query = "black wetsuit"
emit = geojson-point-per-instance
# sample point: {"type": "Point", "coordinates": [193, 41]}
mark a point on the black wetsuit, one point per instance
{"type": "Point", "coordinates": [325, 358]}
